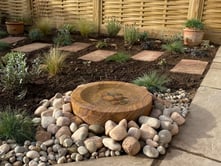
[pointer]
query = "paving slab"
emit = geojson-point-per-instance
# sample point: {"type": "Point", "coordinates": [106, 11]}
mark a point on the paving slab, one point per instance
{"type": "Point", "coordinates": [190, 67]}
{"type": "Point", "coordinates": [115, 161]}
{"type": "Point", "coordinates": [75, 47]}
{"type": "Point", "coordinates": [213, 78]}
{"type": "Point", "coordinates": [217, 59]}
{"type": "Point", "coordinates": [201, 133]}
{"type": "Point", "coordinates": [218, 53]}
{"type": "Point", "coordinates": [97, 55]}
{"type": "Point", "coordinates": [176, 157]}
{"type": "Point", "coordinates": [215, 65]}
{"type": "Point", "coordinates": [147, 55]}
{"type": "Point", "coordinates": [12, 40]}
{"type": "Point", "coordinates": [32, 47]}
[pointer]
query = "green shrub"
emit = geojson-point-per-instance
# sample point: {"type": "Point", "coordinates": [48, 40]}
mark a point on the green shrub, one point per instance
{"type": "Point", "coordinates": [3, 34]}
{"type": "Point", "coordinates": [101, 44]}
{"type": "Point", "coordinates": [16, 125]}
{"type": "Point", "coordinates": [85, 27]}
{"type": "Point", "coordinates": [63, 38]}
{"type": "Point", "coordinates": [53, 61]}
{"type": "Point", "coordinates": [45, 25]}
{"type": "Point", "coordinates": [69, 27]}
{"type": "Point", "coordinates": [4, 46]}
{"type": "Point", "coordinates": [153, 81]}
{"type": "Point", "coordinates": [113, 27]}
{"type": "Point", "coordinates": [143, 36]}
{"type": "Point", "coordinates": [35, 34]}
{"type": "Point", "coordinates": [195, 24]}
{"type": "Point", "coordinates": [131, 34]}
{"type": "Point", "coordinates": [119, 57]}
{"type": "Point", "coordinates": [15, 73]}
{"type": "Point", "coordinates": [174, 47]}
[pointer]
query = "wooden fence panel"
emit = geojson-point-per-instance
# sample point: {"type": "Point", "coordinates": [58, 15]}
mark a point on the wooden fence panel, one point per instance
{"type": "Point", "coordinates": [15, 8]}
{"type": "Point", "coordinates": [212, 18]}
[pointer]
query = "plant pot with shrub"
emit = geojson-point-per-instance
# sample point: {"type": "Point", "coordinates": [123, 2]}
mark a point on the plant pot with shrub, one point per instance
{"type": "Point", "coordinates": [193, 33]}
{"type": "Point", "coordinates": [15, 27]}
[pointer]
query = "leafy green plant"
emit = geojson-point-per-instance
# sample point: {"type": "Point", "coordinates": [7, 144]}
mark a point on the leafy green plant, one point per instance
{"type": "Point", "coordinates": [35, 34]}
{"type": "Point", "coordinates": [3, 33]}
{"type": "Point", "coordinates": [16, 125]}
{"type": "Point", "coordinates": [101, 44]}
{"type": "Point", "coordinates": [4, 46]}
{"type": "Point", "coordinates": [143, 36]}
{"type": "Point", "coordinates": [131, 34]}
{"type": "Point", "coordinates": [63, 37]}
{"type": "Point", "coordinates": [153, 81]}
{"type": "Point", "coordinates": [15, 73]}
{"type": "Point", "coordinates": [119, 57]}
{"type": "Point", "coordinates": [174, 47]}
{"type": "Point", "coordinates": [53, 61]}
{"type": "Point", "coordinates": [45, 25]}
{"type": "Point", "coordinates": [113, 27]}
{"type": "Point", "coordinates": [85, 27]}
{"type": "Point", "coordinates": [194, 24]}
{"type": "Point", "coordinates": [69, 27]}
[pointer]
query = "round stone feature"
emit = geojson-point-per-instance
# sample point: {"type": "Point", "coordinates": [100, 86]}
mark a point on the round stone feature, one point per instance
{"type": "Point", "coordinates": [98, 102]}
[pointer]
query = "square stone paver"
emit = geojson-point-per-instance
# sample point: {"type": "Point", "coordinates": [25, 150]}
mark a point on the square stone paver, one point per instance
{"type": "Point", "coordinates": [147, 55]}
{"type": "Point", "coordinates": [32, 47]}
{"type": "Point", "coordinates": [97, 55]}
{"type": "Point", "coordinates": [75, 47]}
{"type": "Point", "coordinates": [190, 67]}
{"type": "Point", "coordinates": [124, 160]}
{"type": "Point", "coordinates": [176, 157]}
{"type": "Point", "coordinates": [201, 134]}
{"type": "Point", "coordinates": [11, 40]}
{"type": "Point", "coordinates": [213, 78]}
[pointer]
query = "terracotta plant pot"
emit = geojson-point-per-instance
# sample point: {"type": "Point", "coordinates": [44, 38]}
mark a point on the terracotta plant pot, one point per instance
{"type": "Point", "coordinates": [192, 37]}
{"type": "Point", "coordinates": [14, 27]}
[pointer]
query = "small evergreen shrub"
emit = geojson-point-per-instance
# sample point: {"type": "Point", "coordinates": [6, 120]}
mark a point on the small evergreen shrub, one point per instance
{"type": "Point", "coordinates": [174, 47]}
{"type": "Point", "coordinates": [194, 24]}
{"type": "Point", "coordinates": [143, 36]}
{"type": "Point", "coordinates": [63, 38]}
{"type": "Point", "coordinates": [153, 81]}
{"type": "Point", "coordinates": [119, 57]}
{"type": "Point", "coordinates": [113, 27]}
{"type": "Point", "coordinates": [16, 125]}
{"type": "Point", "coordinates": [15, 73]}
{"type": "Point", "coordinates": [101, 44]}
{"type": "Point", "coordinates": [35, 34]}
{"type": "Point", "coordinates": [4, 46]}
{"type": "Point", "coordinates": [131, 34]}
{"type": "Point", "coordinates": [53, 61]}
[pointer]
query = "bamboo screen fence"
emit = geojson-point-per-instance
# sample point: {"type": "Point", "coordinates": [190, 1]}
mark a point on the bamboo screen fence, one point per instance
{"type": "Point", "coordinates": [158, 17]}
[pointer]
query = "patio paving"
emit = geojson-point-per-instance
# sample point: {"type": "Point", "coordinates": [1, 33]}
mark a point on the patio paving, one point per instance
{"type": "Point", "coordinates": [97, 55]}
{"type": "Point", "coordinates": [32, 47]}
{"type": "Point", "coordinates": [147, 55]}
{"type": "Point", "coordinates": [176, 157]}
{"type": "Point", "coordinates": [115, 161]}
{"type": "Point", "coordinates": [75, 47]}
{"type": "Point", "coordinates": [190, 67]}
{"type": "Point", "coordinates": [12, 40]}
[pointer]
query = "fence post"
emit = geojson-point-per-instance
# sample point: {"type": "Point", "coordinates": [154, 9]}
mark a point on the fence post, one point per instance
{"type": "Point", "coordinates": [97, 14]}
{"type": "Point", "coordinates": [195, 9]}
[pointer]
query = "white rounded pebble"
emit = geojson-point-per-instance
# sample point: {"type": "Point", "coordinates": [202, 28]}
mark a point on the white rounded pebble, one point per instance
{"type": "Point", "coordinates": [150, 151]}
{"type": "Point", "coordinates": [165, 136]}
{"type": "Point", "coordinates": [82, 150]}
{"type": "Point", "coordinates": [152, 122]}
{"type": "Point", "coordinates": [111, 144]}
{"type": "Point", "coordinates": [161, 150]}
{"type": "Point", "coordinates": [177, 118]}
{"type": "Point", "coordinates": [80, 134]}
{"type": "Point", "coordinates": [73, 127]}
{"type": "Point", "coordinates": [32, 154]}
{"type": "Point", "coordinates": [134, 132]}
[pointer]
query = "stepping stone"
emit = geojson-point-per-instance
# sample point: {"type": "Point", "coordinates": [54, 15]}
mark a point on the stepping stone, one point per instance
{"type": "Point", "coordinates": [177, 157]}
{"type": "Point", "coordinates": [97, 55]}
{"type": "Point", "coordinates": [32, 47]}
{"type": "Point", "coordinates": [11, 40]}
{"type": "Point", "coordinates": [75, 47]}
{"type": "Point", "coordinates": [147, 55]}
{"type": "Point", "coordinates": [190, 67]}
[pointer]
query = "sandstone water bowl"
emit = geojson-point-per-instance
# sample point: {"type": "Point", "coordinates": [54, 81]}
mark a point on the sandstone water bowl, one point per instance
{"type": "Point", "coordinates": [97, 102]}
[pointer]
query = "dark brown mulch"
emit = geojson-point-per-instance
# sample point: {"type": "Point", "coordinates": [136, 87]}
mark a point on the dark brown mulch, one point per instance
{"type": "Point", "coordinates": [78, 72]}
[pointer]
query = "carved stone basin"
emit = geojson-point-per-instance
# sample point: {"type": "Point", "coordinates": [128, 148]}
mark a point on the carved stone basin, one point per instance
{"type": "Point", "coordinates": [98, 102]}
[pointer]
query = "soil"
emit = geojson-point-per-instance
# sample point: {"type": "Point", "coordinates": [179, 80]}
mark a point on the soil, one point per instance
{"type": "Point", "coordinates": [77, 72]}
